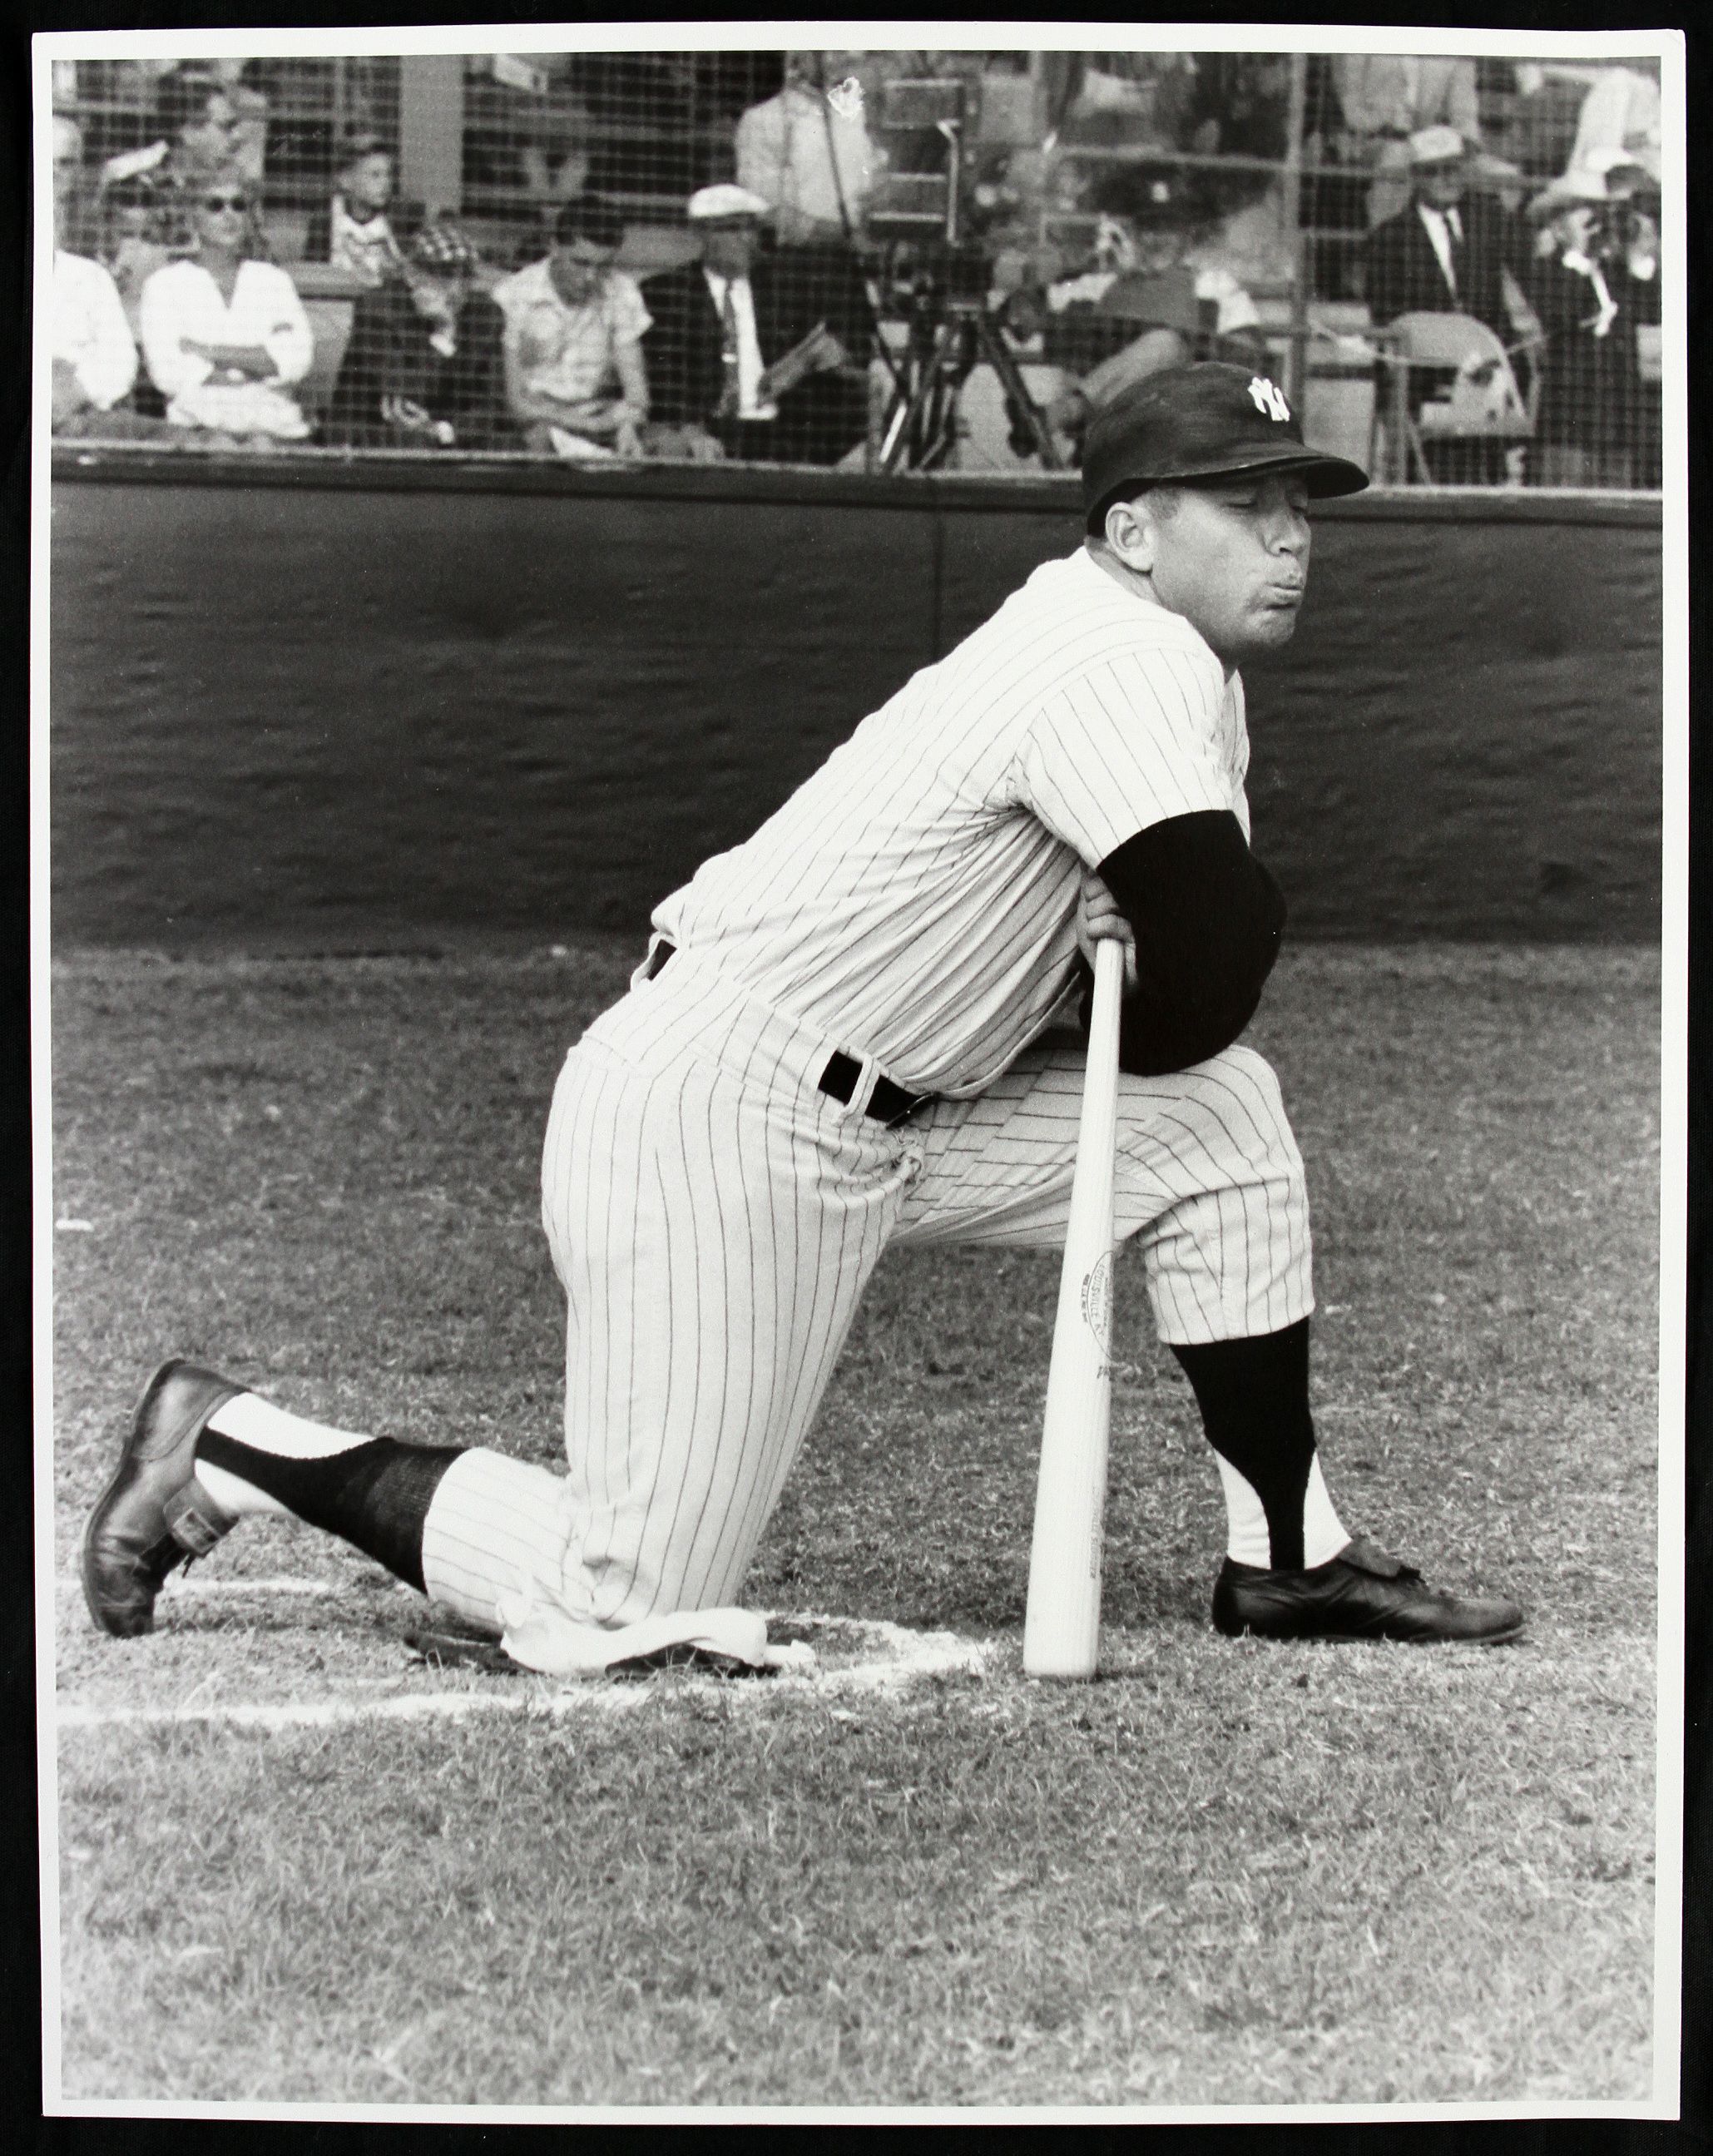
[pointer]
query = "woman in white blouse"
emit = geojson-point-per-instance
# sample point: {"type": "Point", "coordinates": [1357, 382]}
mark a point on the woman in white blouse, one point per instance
{"type": "Point", "coordinates": [225, 336]}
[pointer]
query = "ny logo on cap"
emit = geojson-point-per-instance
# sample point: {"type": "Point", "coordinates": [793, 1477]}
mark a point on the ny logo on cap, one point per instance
{"type": "Point", "coordinates": [1268, 398]}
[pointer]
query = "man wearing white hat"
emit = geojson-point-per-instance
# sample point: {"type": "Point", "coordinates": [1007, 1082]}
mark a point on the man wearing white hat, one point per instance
{"type": "Point", "coordinates": [722, 322]}
{"type": "Point", "coordinates": [1447, 253]}
{"type": "Point", "coordinates": [1384, 98]}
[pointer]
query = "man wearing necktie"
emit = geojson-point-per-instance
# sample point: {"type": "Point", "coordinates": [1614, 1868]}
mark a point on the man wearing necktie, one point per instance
{"type": "Point", "coordinates": [1447, 253]}
{"type": "Point", "coordinates": [721, 321]}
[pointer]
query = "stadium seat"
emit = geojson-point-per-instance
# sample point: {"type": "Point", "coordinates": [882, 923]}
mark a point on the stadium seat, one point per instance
{"type": "Point", "coordinates": [331, 321]}
{"type": "Point", "coordinates": [1481, 402]}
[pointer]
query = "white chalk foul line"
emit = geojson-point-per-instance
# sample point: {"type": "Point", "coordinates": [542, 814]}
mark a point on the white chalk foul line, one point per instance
{"type": "Point", "coordinates": [903, 1658]}
{"type": "Point", "coordinates": [330, 1713]}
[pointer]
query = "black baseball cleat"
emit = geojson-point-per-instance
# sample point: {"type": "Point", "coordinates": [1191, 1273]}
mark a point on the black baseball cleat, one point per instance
{"type": "Point", "coordinates": [1363, 1593]}
{"type": "Point", "coordinates": [153, 1514]}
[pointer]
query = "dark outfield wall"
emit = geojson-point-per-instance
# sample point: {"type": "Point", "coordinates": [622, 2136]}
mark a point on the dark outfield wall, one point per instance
{"type": "Point", "coordinates": [341, 707]}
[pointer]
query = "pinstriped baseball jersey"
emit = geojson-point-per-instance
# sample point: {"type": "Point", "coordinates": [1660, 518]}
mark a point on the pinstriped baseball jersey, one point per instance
{"type": "Point", "coordinates": [917, 904]}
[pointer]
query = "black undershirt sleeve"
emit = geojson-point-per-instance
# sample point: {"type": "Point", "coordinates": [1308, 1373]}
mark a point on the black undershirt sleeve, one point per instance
{"type": "Point", "coordinates": [1207, 919]}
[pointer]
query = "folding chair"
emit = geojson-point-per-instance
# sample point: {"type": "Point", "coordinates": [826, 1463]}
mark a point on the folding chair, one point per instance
{"type": "Point", "coordinates": [1482, 403]}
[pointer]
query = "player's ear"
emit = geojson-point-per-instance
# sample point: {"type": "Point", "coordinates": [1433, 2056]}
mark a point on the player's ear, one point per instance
{"type": "Point", "coordinates": [1130, 533]}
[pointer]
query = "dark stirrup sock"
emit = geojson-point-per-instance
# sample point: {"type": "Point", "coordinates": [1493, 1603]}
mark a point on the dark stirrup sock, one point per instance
{"type": "Point", "coordinates": [1253, 1395]}
{"type": "Point", "coordinates": [374, 1494]}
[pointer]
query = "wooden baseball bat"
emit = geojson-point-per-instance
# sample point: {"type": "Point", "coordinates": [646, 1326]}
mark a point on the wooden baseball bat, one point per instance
{"type": "Point", "coordinates": [1062, 1621]}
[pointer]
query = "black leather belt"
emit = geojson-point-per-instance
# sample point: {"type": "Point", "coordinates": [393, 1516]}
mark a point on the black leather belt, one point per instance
{"type": "Point", "coordinates": [887, 1103]}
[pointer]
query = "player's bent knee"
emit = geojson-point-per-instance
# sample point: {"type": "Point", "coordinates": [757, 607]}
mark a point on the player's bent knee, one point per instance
{"type": "Point", "coordinates": [1228, 1114]}
{"type": "Point", "coordinates": [1244, 1066]}
{"type": "Point", "coordinates": [1246, 1082]}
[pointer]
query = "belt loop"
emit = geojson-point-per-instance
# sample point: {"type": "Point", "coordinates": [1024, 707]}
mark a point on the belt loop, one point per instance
{"type": "Point", "coordinates": [659, 951]}
{"type": "Point", "coordinates": [862, 1093]}
{"type": "Point", "coordinates": [863, 1089]}
{"type": "Point", "coordinates": [866, 1083]}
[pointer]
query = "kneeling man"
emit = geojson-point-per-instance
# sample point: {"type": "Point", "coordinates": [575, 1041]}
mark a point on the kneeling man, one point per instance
{"type": "Point", "coordinates": [850, 1032]}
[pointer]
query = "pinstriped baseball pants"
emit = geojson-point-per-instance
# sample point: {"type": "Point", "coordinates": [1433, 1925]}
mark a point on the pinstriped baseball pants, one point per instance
{"type": "Point", "coordinates": [714, 1217]}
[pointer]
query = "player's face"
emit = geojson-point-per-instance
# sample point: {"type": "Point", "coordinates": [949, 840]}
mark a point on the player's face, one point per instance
{"type": "Point", "coordinates": [1233, 561]}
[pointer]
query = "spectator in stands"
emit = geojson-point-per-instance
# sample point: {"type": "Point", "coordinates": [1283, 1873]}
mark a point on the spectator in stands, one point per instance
{"type": "Point", "coordinates": [424, 365]}
{"type": "Point", "coordinates": [1146, 302]}
{"type": "Point", "coordinates": [126, 247]}
{"type": "Point", "coordinates": [1450, 251]}
{"type": "Point", "coordinates": [1447, 250]}
{"type": "Point", "coordinates": [1595, 280]}
{"type": "Point", "coordinates": [807, 152]}
{"type": "Point", "coordinates": [727, 322]}
{"type": "Point", "coordinates": [1130, 101]}
{"type": "Point", "coordinates": [351, 230]}
{"type": "Point", "coordinates": [575, 379]}
{"type": "Point", "coordinates": [1240, 111]}
{"type": "Point", "coordinates": [225, 336]}
{"type": "Point", "coordinates": [1621, 111]}
{"type": "Point", "coordinates": [1386, 98]}
{"type": "Point", "coordinates": [72, 211]}
{"type": "Point", "coordinates": [203, 129]}
{"type": "Point", "coordinates": [556, 171]}
{"type": "Point", "coordinates": [95, 357]}
{"type": "Point", "coordinates": [126, 244]}
{"type": "Point", "coordinates": [244, 82]}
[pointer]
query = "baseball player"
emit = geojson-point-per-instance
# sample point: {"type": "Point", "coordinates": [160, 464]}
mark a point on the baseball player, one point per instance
{"type": "Point", "coordinates": [856, 1030]}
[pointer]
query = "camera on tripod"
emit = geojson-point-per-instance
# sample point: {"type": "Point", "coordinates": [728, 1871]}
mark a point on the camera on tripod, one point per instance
{"type": "Point", "coordinates": [932, 276]}
{"type": "Point", "coordinates": [939, 284]}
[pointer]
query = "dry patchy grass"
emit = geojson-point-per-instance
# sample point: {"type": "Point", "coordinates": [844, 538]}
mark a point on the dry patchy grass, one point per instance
{"type": "Point", "coordinates": [1225, 1873]}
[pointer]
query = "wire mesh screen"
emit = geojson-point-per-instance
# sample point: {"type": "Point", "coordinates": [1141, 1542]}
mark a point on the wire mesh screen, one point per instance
{"type": "Point", "coordinates": [878, 260]}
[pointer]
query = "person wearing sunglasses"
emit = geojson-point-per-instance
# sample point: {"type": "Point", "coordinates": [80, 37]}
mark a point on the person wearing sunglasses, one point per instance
{"type": "Point", "coordinates": [224, 335]}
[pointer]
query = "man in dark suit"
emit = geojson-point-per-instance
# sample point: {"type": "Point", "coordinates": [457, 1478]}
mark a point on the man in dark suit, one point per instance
{"type": "Point", "coordinates": [722, 322]}
{"type": "Point", "coordinates": [1446, 253]}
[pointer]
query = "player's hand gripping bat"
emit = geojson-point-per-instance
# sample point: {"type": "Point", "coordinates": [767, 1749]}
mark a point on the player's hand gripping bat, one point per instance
{"type": "Point", "coordinates": [1062, 1622]}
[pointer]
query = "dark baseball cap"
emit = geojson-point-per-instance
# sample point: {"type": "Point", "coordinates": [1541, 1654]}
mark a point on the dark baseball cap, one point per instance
{"type": "Point", "coordinates": [1204, 422]}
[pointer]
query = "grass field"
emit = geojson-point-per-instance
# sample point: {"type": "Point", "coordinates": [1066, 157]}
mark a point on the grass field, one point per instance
{"type": "Point", "coordinates": [1226, 1873]}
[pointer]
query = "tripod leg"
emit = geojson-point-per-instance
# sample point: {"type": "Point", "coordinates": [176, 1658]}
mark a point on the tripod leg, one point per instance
{"type": "Point", "coordinates": [952, 359]}
{"type": "Point", "coordinates": [920, 431]}
{"type": "Point", "coordinates": [999, 357]}
{"type": "Point", "coordinates": [898, 435]}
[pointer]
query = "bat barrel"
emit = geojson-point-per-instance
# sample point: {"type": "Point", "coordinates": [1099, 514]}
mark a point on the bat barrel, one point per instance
{"type": "Point", "coordinates": [1062, 1621]}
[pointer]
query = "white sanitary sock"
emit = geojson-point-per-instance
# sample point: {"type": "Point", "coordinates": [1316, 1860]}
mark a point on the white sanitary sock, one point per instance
{"type": "Point", "coordinates": [258, 1423]}
{"type": "Point", "coordinates": [1247, 1539]}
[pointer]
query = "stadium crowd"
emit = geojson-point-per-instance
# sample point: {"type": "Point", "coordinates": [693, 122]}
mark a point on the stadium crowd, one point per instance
{"type": "Point", "coordinates": [1484, 260]}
